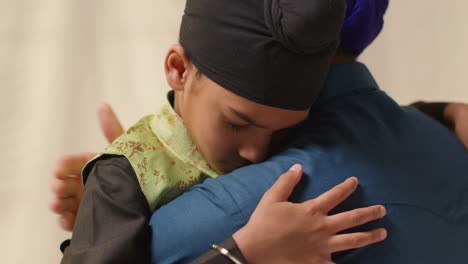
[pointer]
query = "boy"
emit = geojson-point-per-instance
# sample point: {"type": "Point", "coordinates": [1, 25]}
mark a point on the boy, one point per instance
{"type": "Point", "coordinates": [213, 121]}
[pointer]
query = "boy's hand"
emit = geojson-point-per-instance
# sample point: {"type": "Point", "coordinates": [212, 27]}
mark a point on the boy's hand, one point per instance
{"type": "Point", "coordinates": [67, 185]}
{"type": "Point", "coordinates": [457, 114]}
{"type": "Point", "coordinates": [284, 232]}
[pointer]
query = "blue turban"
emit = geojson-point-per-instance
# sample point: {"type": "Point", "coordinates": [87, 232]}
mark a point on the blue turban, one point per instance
{"type": "Point", "coordinates": [364, 21]}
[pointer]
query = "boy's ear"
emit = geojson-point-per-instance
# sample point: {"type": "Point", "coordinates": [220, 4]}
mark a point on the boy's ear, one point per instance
{"type": "Point", "coordinates": [176, 66]}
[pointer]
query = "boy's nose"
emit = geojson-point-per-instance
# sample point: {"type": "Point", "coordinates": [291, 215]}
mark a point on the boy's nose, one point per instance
{"type": "Point", "coordinates": [256, 151]}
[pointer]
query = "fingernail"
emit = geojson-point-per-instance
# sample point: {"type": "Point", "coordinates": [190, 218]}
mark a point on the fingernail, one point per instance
{"type": "Point", "coordinates": [383, 211]}
{"type": "Point", "coordinates": [383, 234]}
{"type": "Point", "coordinates": [295, 167]}
{"type": "Point", "coordinates": [355, 179]}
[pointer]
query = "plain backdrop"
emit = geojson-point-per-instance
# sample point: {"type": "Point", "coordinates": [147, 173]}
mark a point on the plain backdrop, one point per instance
{"type": "Point", "coordinates": [59, 58]}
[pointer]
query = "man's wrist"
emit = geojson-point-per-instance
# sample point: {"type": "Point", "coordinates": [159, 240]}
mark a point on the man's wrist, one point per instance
{"type": "Point", "coordinates": [436, 110]}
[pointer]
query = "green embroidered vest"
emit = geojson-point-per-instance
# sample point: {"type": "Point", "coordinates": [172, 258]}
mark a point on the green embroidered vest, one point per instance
{"type": "Point", "coordinates": [163, 156]}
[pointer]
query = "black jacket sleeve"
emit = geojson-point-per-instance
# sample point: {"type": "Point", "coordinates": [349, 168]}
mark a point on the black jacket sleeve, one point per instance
{"type": "Point", "coordinates": [112, 221]}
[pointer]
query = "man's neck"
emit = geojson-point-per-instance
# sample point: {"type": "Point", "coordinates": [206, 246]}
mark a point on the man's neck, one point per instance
{"type": "Point", "coordinates": [342, 57]}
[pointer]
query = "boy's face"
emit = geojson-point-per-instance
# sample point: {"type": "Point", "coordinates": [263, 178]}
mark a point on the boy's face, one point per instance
{"type": "Point", "coordinates": [230, 131]}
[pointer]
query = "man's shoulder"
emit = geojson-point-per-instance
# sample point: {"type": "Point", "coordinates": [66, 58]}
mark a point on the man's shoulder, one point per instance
{"type": "Point", "coordinates": [404, 160]}
{"type": "Point", "coordinates": [385, 145]}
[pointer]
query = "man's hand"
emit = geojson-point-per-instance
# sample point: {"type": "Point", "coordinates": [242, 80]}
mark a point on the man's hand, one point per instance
{"type": "Point", "coordinates": [284, 232]}
{"type": "Point", "coordinates": [457, 114]}
{"type": "Point", "coordinates": [67, 185]}
{"type": "Point", "coordinates": [110, 124]}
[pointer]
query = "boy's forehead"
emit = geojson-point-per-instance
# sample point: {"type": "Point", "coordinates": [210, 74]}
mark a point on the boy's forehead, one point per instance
{"type": "Point", "coordinates": [259, 115]}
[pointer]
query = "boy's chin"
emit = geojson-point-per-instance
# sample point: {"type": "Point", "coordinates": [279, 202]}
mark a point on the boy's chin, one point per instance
{"type": "Point", "coordinates": [224, 168]}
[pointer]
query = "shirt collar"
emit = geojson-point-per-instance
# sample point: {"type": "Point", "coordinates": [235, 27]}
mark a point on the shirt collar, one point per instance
{"type": "Point", "coordinates": [346, 78]}
{"type": "Point", "coordinates": [171, 131]}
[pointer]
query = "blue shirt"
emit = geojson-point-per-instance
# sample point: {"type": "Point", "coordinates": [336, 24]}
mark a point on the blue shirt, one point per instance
{"type": "Point", "coordinates": [404, 160]}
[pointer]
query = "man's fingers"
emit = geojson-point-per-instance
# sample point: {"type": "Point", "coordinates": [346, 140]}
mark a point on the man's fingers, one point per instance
{"type": "Point", "coordinates": [335, 196]}
{"type": "Point", "coordinates": [67, 187]}
{"type": "Point", "coordinates": [357, 217]}
{"type": "Point", "coordinates": [67, 221]}
{"type": "Point", "coordinates": [356, 240]}
{"type": "Point", "coordinates": [70, 165]}
{"type": "Point", "coordinates": [63, 205]}
{"type": "Point", "coordinates": [110, 124]}
{"type": "Point", "coordinates": [283, 187]}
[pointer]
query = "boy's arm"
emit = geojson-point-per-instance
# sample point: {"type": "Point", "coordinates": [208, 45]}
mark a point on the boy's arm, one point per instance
{"type": "Point", "coordinates": [112, 221]}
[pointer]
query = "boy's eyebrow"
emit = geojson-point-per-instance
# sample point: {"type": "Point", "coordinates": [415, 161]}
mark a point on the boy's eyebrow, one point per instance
{"type": "Point", "coordinates": [245, 118]}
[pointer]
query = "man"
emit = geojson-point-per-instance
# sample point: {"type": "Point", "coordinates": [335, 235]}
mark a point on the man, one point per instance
{"type": "Point", "coordinates": [407, 162]}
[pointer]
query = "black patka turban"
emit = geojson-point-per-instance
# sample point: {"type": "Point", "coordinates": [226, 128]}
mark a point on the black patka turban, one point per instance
{"type": "Point", "coordinates": [272, 52]}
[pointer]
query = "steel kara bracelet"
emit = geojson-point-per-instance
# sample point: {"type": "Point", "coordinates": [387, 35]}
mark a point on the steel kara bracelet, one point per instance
{"type": "Point", "coordinates": [226, 253]}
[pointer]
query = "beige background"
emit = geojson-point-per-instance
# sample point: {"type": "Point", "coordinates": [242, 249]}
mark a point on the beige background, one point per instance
{"type": "Point", "coordinates": [59, 58]}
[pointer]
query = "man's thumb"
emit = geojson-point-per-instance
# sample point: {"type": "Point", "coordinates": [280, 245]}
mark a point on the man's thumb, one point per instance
{"type": "Point", "coordinates": [110, 125]}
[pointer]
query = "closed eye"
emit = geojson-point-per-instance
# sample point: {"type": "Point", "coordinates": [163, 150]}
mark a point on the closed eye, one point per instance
{"type": "Point", "coordinates": [235, 127]}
